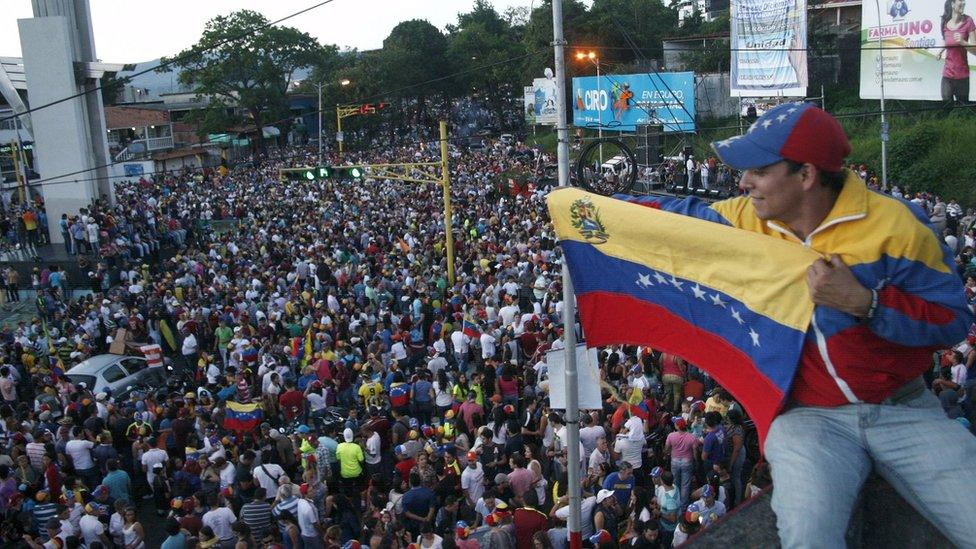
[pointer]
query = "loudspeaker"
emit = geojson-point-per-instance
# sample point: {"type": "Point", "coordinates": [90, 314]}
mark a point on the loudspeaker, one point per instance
{"type": "Point", "coordinates": [650, 144]}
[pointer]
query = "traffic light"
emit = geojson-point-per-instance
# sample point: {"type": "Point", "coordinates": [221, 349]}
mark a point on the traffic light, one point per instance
{"type": "Point", "coordinates": [319, 173]}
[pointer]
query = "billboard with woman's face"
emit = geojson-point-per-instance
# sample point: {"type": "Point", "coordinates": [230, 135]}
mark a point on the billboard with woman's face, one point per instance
{"type": "Point", "coordinates": [926, 47]}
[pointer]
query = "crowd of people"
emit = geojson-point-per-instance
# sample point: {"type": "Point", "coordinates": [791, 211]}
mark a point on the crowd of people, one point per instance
{"type": "Point", "coordinates": [339, 391]}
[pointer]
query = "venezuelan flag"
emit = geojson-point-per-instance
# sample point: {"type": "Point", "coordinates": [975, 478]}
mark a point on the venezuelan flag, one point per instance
{"type": "Point", "coordinates": [470, 328]}
{"type": "Point", "coordinates": [242, 417]}
{"type": "Point", "coordinates": [307, 351]}
{"type": "Point", "coordinates": [732, 302]}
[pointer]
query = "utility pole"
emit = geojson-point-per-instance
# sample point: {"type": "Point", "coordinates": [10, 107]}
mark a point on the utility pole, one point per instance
{"type": "Point", "coordinates": [319, 86]}
{"type": "Point", "coordinates": [569, 299]}
{"type": "Point", "coordinates": [884, 119]}
{"type": "Point", "coordinates": [446, 187]}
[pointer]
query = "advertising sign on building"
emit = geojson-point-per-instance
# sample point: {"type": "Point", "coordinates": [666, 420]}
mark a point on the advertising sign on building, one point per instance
{"type": "Point", "coordinates": [624, 101]}
{"type": "Point", "coordinates": [544, 91]}
{"type": "Point", "coordinates": [528, 102]}
{"type": "Point", "coordinates": [769, 40]}
{"type": "Point", "coordinates": [920, 60]}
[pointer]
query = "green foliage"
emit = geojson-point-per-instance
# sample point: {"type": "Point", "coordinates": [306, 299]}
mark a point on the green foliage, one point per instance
{"type": "Point", "coordinates": [926, 152]}
{"type": "Point", "coordinates": [244, 68]}
{"type": "Point", "coordinates": [482, 37]}
{"type": "Point", "coordinates": [716, 58]}
{"type": "Point", "coordinates": [414, 56]}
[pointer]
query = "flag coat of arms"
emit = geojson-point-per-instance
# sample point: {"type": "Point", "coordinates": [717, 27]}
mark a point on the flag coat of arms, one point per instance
{"type": "Point", "coordinates": [242, 417]}
{"type": "Point", "coordinates": [732, 302]}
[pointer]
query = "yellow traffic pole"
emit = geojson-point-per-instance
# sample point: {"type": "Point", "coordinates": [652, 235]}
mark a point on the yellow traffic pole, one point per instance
{"type": "Point", "coordinates": [15, 154]}
{"type": "Point", "coordinates": [339, 129]}
{"type": "Point", "coordinates": [446, 186]}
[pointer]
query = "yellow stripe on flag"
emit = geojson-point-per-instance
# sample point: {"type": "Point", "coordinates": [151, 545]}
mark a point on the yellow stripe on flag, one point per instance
{"type": "Point", "coordinates": [765, 273]}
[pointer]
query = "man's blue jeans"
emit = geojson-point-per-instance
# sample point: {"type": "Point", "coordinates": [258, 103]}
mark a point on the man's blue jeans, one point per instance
{"type": "Point", "coordinates": [683, 469]}
{"type": "Point", "coordinates": [820, 458]}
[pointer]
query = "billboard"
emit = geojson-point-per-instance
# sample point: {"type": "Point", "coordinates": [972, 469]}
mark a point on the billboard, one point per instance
{"type": "Point", "coordinates": [544, 101]}
{"type": "Point", "coordinates": [528, 102]}
{"type": "Point", "coordinates": [625, 101]}
{"type": "Point", "coordinates": [917, 59]}
{"type": "Point", "coordinates": [769, 40]}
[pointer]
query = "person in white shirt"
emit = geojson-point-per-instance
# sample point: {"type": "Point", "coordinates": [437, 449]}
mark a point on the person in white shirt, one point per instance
{"type": "Point", "coordinates": [508, 314]}
{"type": "Point", "coordinates": [151, 457]}
{"type": "Point", "coordinates": [487, 345]}
{"type": "Point", "coordinates": [189, 350]}
{"type": "Point", "coordinates": [226, 470]}
{"type": "Point", "coordinates": [599, 455]}
{"type": "Point", "coordinates": [220, 519]}
{"type": "Point", "coordinates": [460, 341]}
{"type": "Point", "coordinates": [79, 449]}
{"type": "Point", "coordinates": [472, 479]}
{"type": "Point", "coordinates": [373, 449]}
{"type": "Point", "coordinates": [267, 474]}
{"type": "Point", "coordinates": [558, 536]}
{"type": "Point", "coordinates": [91, 528]}
{"type": "Point", "coordinates": [308, 518]}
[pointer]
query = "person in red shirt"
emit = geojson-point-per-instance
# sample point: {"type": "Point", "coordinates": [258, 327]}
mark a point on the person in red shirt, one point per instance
{"type": "Point", "coordinates": [404, 464]}
{"type": "Point", "coordinates": [528, 520]}
{"type": "Point", "coordinates": [672, 376]}
{"type": "Point", "coordinates": [620, 416]}
{"type": "Point", "coordinates": [292, 401]}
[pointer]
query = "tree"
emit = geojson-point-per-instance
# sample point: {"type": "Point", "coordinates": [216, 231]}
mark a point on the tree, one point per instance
{"type": "Point", "coordinates": [483, 38]}
{"type": "Point", "coordinates": [414, 61]}
{"type": "Point", "coordinates": [244, 67]}
{"type": "Point", "coordinates": [631, 30]}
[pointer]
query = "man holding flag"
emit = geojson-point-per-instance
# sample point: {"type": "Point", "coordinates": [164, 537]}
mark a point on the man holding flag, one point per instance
{"type": "Point", "coordinates": [825, 349]}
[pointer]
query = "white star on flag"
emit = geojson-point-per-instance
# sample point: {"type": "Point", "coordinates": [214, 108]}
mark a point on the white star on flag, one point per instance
{"type": "Point", "coordinates": [767, 123]}
{"type": "Point", "coordinates": [754, 336]}
{"type": "Point", "coordinates": [737, 316]}
{"type": "Point", "coordinates": [661, 278]}
{"type": "Point", "coordinates": [644, 280]}
{"type": "Point", "coordinates": [717, 300]}
{"type": "Point", "coordinates": [676, 283]}
{"type": "Point", "coordinates": [699, 293]}
{"type": "Point", "coordinates": [782, 118]}
{"type": "Point", "coordinates": [792, 110]}
{"type": "Point", "coordinates": [752, 128]}
{"type": "Point", "coordinates": [724, 143]}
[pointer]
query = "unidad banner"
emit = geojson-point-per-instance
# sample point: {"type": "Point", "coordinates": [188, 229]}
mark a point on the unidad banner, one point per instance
{"type": "Point", "coordinates": [769, 40]}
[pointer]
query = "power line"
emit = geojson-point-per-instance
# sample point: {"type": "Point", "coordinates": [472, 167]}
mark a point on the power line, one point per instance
{"type": "Point", "coordinates": [192, 52]}
{"type": "Point", "coordinates": [55, 178]}
{"type": "Point", "coordinates": [712, 129]}
{"type": "Point", "coordinates": [808, 48]}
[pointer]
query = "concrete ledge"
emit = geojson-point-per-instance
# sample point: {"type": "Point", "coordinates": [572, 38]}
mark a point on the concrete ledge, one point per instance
{"type": "Point", "coordinates": [881, 519]}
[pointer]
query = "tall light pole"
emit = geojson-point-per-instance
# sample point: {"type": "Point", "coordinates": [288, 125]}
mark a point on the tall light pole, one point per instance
{"type": "Point", "coordinates": [344, 82]}
{"type": "Point", "coordinates": [884, 119]}
{"type": "Point", "coordinates": [569, 298]}
{"type": "Point", "coordinates": [592, 57]}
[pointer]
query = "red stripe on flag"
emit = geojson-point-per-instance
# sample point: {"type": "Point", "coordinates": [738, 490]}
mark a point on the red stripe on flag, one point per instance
{"type": "Point", "coordinates": [914, 307]}
{"type": "Point", "coordinates": [610, 319]}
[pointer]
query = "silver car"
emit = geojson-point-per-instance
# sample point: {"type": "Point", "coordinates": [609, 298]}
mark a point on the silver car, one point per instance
{"type": "Point", "coordinates": [116, 372]}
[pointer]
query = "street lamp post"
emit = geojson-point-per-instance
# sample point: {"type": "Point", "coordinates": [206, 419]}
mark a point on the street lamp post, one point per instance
{"type": "Point", "coordinates": [344, 82]}
{"type": "Point", "coordinates": [319, 128]}
{"type": "Point", "coordinates": [593, 58]}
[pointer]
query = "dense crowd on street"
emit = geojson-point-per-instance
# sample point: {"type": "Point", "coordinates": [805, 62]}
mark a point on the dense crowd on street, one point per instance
{"type": "Point", "coordinates": [330, 387]}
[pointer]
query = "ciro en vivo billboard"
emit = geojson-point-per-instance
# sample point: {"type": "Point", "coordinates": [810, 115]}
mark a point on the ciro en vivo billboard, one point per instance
{"type": "Point", "coordinates": [921, 60]}
{"type": "Point", "coordinates": [769, 40]}
{"type": "Point", "coordinates": [624, 101]}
